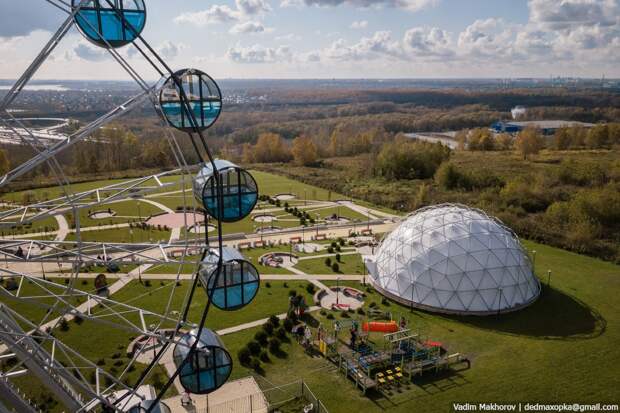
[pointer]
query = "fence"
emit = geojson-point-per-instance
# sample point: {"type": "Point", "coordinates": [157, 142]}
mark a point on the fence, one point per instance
{"type": "Point", "coordinates": [295, 396]}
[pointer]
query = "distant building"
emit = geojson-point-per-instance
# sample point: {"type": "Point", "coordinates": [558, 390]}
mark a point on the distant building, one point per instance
{"type": "Point", "coordinates": [547, 127]}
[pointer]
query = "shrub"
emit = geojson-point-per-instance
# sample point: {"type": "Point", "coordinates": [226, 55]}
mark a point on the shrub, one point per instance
{"type": "Point", "coordinates": [338, 257]}
{"type": "Point", "coordinates": [147, 283]}
{"type": "Point", "coordinates": [274, 320]}
{"type": "Point", "coordinates": [328, 262]}
{"type": "Point", "coordinates": [285, 285]}
{"type": "Point", "coordinates": [330, 316]}
{"type": "Point", "coordinates": [361, 311]}
{"type": "Point", "coordinates": [101, 362]}
{"type": "Point", "coordinates": [330, 250]}
{"type": "Point", "coordinates": [281, 333]}
{"type": "Point", "coordinates": [264, 356]}
{"type": "Point", "coordinates": [323, 313]}
{"type": "Point", "coordinates": [372, 305]}
{"type": "Point", "coordinates": [288, 324]}
{"type": "Point", "coordinates": [384, 301]}
{"type": "Point", "coordinates": [341, 241]}
{"type": "Point", "coordinates": [262, 337]}
{"type": "Point", "coordinates": [274, 345]}
{"type": "Point", "coordinates": [292, 293]}
{"type": "Point", "coordinates": [254, 364]}
{"type": "Point", "coordinates": [254, 347]}
{"type": "Point", "coordinates": [245, 356]}
{"type": "Point", "coordinates": [335, 267]}
{"type": "Point", "coordinates": [338, 248]}
{"type": "Point", "coordinates": [310, 288]}
{"type": "Point", "coordinates": [78, 319]}
{"type": "Point", "coordinates": [267, 284]}
{"type": "Point", "coordinates": [334, 244]}
{"type": "Point", "coordinates": [344, 314]}
{"type": "Point", "coordinates": [64, 325]}
{"type": "Point", "coordinates": [268, 327]}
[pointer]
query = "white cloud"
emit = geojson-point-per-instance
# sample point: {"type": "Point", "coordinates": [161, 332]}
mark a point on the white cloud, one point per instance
{"type": "Point", "coordinates": [288, 37]}
{"type": "Point", "coordinates": [86, 51]}
{"type": "Point", "coordinates": [224, 14]}
{"type": "Point", "coordinates": [252, 7]}
{"type": "Point", "coordinates": [422, 42]}
{"type": "Point", "coordinates": [360, 24]}
{"type": "Point", "coordinates": [368, 48]}
{"type": "Point", "coordinates": [170, 50]}
{"type": "Point", "coordinates": [569, 13]}
{"type": "Point", "coordinates": [259, 54]}
{"type": "Point", "coordinates": [214, 14]}
{"type": "Point", "coordinates": [248, 27]}
{"type": "Point", "coordinates": [411, 5]}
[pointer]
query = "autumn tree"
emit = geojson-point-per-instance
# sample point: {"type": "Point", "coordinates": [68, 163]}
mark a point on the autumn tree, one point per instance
{"type": "Point", "coordinates": [529, 142]}
{"type": "Point", "coordinates": [481, 139]}
{"type": "Point", "coordinates": [562, 139]}
{"type": "Point", "coordinates": [461, 139]}
{"type": "Point", "coordinates": [270, 147]}
{"type": "Point", "coordinates": [304, 151]}
{"type": "Point", "coordinates": [5, 165]}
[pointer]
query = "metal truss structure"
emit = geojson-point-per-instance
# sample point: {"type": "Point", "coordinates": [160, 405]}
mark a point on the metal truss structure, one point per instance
{"type": "Point", "coordinates": [74, 380]}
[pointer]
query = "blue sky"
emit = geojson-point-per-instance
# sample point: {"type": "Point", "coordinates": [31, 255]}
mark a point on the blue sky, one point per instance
{"type": "Point", "coordinates": [338, 39]}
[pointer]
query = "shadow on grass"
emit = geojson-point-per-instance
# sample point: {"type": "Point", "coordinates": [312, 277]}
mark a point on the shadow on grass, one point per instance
{"type": "Point", "coordinates": [427, 384]}
{"type": "Point", "coordinates": [554, 316]}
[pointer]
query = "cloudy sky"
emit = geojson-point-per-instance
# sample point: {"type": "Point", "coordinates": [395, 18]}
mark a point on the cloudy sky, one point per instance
{"type": "Point", "coordinates": [338, 39]}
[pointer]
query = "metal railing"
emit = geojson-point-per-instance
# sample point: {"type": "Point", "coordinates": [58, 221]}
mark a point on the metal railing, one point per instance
{"type": "Point", "coordinates": [296, 393]}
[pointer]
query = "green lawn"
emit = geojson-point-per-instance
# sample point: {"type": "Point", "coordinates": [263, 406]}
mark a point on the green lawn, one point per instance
{"type": "Point", "coordinates": [47, 224]}
{"type": "Point", "coordinates": [122, 235]}
{"type": "Point", "coordinates": [562, 348]}
{"type": "Point", "coordinates": [269, 300]}
{"type": "Point", "coordinates": [126, 211]}
{"type": "Point", "coordinates": [348, 264]}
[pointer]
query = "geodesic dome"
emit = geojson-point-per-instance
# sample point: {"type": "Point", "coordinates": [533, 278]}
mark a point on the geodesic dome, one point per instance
{"type": "Point", "coordinates": [454, 259]}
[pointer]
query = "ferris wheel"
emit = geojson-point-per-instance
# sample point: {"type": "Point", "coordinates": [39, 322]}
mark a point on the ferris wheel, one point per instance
{"type": "Point", "coordinates": [216, 190]}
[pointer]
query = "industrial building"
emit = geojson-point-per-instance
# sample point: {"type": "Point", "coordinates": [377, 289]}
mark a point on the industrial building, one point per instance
{"type": "Point", "coordinates": [547, 127]}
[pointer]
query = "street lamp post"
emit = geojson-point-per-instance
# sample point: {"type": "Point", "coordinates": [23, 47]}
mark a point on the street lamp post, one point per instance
{"type": "Point", "coordinates": [548, 278]}
{"type": "Point", "coordinates": [338, 291]}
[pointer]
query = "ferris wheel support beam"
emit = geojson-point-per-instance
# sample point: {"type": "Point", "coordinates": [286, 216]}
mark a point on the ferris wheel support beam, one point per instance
{"type": "Point", "coordinates": [121, 191]}
{"type": "Point", "coordinates": [98, 253]}
{"type": "Point", "coordinates": [40, 59]}
{"type": "Point", "coordinates": [72, 139]}
{"type": "Point", "coordinates": [18, 403]}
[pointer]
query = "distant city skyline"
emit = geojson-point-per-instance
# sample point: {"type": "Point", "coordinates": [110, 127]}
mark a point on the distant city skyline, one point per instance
{"type": "Point", "coordinates": [255, 39]}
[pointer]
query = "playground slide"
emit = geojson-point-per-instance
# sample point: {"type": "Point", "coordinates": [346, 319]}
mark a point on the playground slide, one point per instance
{"type": "Point", "coordinates": [380, 327]}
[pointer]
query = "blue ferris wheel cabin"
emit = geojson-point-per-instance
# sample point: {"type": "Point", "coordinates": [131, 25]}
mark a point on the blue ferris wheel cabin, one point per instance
{"type": "Point", "coordinates": [101, 21]}
{"type": "Point", "coordinates": [206, 369]}
{"type": "Point", "coordinates": [237, 284]}
{"type": "Point", "coordinates": [203, 99]}
{"type": "Point", "coordinates": [239, 191]}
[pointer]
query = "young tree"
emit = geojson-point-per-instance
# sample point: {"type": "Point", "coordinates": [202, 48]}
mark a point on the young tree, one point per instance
{"type": "Point", "coordinates": [529, 142]}
{"type": "Point", "coordinates": [562, 139]}
{"type": "Point", "coordinates": [304, 151]}
{"type": "Point", "coordinates": [5, 165]}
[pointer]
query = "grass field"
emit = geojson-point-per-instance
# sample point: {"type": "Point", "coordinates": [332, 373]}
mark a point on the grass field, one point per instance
{"type": "Point", "coordinates": [122, 235]}
{"type": "Point", "coordinates": [348, 264]}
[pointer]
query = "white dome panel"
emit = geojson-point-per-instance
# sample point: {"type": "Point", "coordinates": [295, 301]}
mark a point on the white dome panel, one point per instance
{"type": "Point", "coordinates": [454, 259]}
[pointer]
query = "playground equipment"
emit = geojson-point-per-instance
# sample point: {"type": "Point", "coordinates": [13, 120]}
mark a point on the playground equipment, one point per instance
{"type": "Point", "coordinates": [203, 95]}
{"type": "Point", "coordinates": [237, 284]}
{"type": "Point", "coordinates": [405, 354]}
{"type": "Point", "coordinates": [102, 24]}
{"type": "Point", "coordinates": [206, 369]}
{"type": "Point", "coordinates": [380, 327]}
{"type": "Point", "coordinates": [238, 187]}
